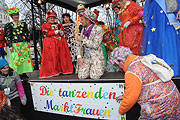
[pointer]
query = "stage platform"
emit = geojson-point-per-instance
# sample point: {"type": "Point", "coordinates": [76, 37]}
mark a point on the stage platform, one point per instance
{"type": "Point", "coordinates": [30, 114]}
{"type": "Point", "coordinates": [108, 76]}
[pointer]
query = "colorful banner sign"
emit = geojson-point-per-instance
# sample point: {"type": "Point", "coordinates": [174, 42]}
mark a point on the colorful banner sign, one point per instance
{"type": "Point", "coordinates": [90, 100]}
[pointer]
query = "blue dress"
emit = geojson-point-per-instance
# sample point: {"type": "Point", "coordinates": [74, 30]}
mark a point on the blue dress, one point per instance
{"type": "Point", "coordinates": [160, 38]}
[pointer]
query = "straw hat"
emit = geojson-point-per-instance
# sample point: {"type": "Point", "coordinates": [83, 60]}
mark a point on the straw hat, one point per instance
{"type": "Point", "coordinates": [80, 7]}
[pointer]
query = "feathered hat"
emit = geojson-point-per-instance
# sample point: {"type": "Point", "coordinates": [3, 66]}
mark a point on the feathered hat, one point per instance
{"type": "Point", "coordinates": [105, 29]}
{"type": "Point", "coordinates": [80, 7]}
{"type": "Point", "coordinates": [114, 2]}
{"type": "Point", "coordinates": [13, 10]}
{"type": "Point", "coordinates": [90, 15]}
{"type": "Point", "coordinates": [50, 13]}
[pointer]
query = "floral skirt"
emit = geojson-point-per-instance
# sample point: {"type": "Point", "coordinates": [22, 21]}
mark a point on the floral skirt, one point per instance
{"type": "Point", "coordinates": [20, 59]}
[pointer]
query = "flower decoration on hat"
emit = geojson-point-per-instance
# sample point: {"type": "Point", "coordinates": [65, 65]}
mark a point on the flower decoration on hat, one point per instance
{"type": "Point", "coordinates": [13, 10]}
{"type": "Point", "coordinates": [97, 13]}
{"type": "Point", "coordinates": [50, 13]}
{"type": "Point", "coordinates": [80, 7]}
{"type": "Point", "coordinates": [90, 15]}
{"type": "Point", "coordinates": [105, 29]}
{"type": "Point", "coordinates": [114, 2]}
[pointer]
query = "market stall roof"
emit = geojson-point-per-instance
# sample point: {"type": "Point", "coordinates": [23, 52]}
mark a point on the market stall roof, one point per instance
{"type": "Point", "coordinates": [72, 4]}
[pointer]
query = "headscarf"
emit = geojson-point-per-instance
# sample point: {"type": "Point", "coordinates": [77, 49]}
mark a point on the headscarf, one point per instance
{"type": "Point", "coordinates": [119, 54]}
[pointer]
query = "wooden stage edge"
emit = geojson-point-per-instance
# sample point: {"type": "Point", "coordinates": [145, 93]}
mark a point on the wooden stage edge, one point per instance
{"type": "Point", "coordinates": [108, 76]}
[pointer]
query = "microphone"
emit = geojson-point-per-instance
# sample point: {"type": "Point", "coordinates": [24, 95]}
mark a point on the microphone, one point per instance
{"type": "Point", "coordinates": [82, 49]}
{"type": "Point", "coordinates": [80, 29]}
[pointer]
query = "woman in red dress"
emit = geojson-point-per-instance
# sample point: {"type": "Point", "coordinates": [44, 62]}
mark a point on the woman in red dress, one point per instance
{"type": "Point", "coordinates": [131, 31]}
{"type": "Point", "coordinates": [56, 56]}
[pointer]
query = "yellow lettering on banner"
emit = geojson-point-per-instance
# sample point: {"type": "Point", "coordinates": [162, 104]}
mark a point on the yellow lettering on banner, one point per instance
{"type": "Point", "coordinates": [92, 96]}
{"type": "Point", "coordinates": [109, 113]}
{"type": "Point", "coordinates": [61, 107]}
{"type": "Point", "coordinates": [51, 93]}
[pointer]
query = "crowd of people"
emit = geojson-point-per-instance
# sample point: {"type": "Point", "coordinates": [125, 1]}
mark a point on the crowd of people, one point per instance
{"type": "Point", "coordinates": [145, 45]}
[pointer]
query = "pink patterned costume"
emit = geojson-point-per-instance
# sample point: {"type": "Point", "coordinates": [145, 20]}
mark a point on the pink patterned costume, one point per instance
{"type": "Point", "coordinates": [158, 100]}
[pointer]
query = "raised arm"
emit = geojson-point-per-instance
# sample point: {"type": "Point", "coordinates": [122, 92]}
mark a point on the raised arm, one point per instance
{"type": "Point", "coordinates": [132, 92]}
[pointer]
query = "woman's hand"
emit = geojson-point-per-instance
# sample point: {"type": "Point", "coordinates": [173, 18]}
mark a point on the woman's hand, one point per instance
{"type": "Point", "coordinates": [11, 49]}
{"type": "Point", "coordinates": [105, 68]}
{"type": "Point", "coordinates": [8, 103]}
{"type": "Point", "coordinates": [29, 45]}
{"type": "Point", "coordinates": [178, 15]}
{"type": "Point", "coordinates": [79, 38]}
{"type": "Point", "coordinates": [60, 32]}
{"type": "Point", "coordinates": [119, 98]}
{"type": "Point", "coordinates": [80, 62]}
{"type": "Point", "coordinates": [145, 23]}
{"type": "Point", "coordinates": [127, 24]}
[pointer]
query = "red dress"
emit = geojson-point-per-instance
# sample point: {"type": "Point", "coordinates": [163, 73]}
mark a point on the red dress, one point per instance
{"type": "Point", "coordinates": [56, 56]}
{"type": "Point", "coordinates": [2, 38]}
{"type": "Point", "coordinates": [3, 43]}
{"type": "Point", "coordinates": [131, 36]}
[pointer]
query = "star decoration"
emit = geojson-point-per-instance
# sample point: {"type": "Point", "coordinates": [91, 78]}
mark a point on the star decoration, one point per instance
{"type": "Point", "coordinates": [153, 29]}
{"type": "Point", "coordinates": [149, 42]}
{"type": "Point", "coordinates": [161, 11]}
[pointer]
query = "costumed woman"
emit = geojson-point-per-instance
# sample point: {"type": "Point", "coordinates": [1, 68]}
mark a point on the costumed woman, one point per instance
{"type": "Point", "coordinates": [17, 35]}
{"type": "Point", "coordinates": [3, 44]}
{"type": "Point", "coordinates": [161, 35]}
{"type": "Point", "coordinates": [11, 85]}
{"type": "Point", "coordinates": [56, 57]}
{"type": "Point", "coordinates": [118, 21]}
{"type": "Point", "coordinates": [109, 42]}
{"type": "Point", "coordinates": [69, 32]}
{"type": "Point", "coordinates": [131, 31]}
{"type": "Point", "coordinates": [148, 82]}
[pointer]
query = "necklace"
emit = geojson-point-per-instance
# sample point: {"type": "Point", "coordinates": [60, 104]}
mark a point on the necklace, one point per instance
{"type": "Point", "coordinates": [127, 3]}
{"type": "Point", "coordinates": [17, 23]}
{"type": "Point", "coordinates": [67, 24]}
